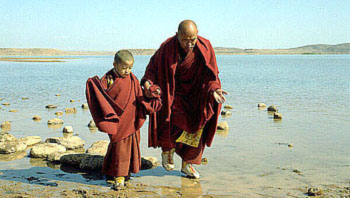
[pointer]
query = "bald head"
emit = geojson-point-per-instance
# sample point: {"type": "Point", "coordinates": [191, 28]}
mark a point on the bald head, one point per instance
{"type": "Point", "coordinates": [123, 56]}
{"type": "Point", "coordinates": [187, 35]}
{"type": "Point", "coordinates": [187, 27]}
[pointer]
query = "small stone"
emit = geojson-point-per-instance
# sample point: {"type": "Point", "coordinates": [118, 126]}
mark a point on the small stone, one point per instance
{"type": "Point", "coordinates": [25, 98]}
{"type": "Point", "coordinates": [68, 129]}
{"type": "Point", "coordinates": [50, 106]}
{"type": "Point", "coordinates": [58, 95]}
{"type": "Point", "coordinates": [13, 110]}
{"type": "Point", "coordinates": [91, 124]}
{"type": "Point", "coordinates": [226, 113]}
{"type": "Point", "coordinates": [261, 105]}
{"type": "Point", "coordinates": [71, 100]}
{"type": "Point", "coordinates": [70, 110]}
{"type": "Point", "coordinates": [55, 121]}
{"type": "Point", "coordinates": [204, 161]}
{"type": "Point", "coordinates": [6, 104]}
{"type": "Point", "coordinates": [272, 108]}
{"type": "Point", "coordinates": [6, 124]}
{"type": "Point", "coordinates": [36, 117]}
{"type": "Point", "coordinates": [315, 191]}
{"type": "Point", "coordinates": [223, 126]}
{"type": "Point", "coordinates": [228, 107]}
{"type": "Point", "coordinates": [277, 116]}
{"type": "Point", "coordinates": [59, 113]}
{"type": "Point", "coordinates": [290, 145]}
{"type": "Point", "coordinates": [84, 106]}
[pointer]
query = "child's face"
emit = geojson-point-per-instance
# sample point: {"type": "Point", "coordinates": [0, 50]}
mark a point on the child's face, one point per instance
{"type": "Point", "coordinates": [123, 69]}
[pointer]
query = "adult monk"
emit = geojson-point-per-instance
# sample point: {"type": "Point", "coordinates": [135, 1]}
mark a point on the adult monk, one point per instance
{"type": "Point", "coordinates": [185, 69]}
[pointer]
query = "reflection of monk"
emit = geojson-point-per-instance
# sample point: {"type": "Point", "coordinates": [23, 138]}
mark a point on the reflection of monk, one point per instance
{"type": "Point", "coordinates": [185, 69]}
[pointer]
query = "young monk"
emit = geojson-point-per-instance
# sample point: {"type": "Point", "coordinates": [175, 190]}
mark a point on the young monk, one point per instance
{"type": "Point", "coordinates": [119, 109]}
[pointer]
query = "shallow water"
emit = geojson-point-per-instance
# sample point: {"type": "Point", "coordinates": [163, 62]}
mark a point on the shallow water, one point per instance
{"type": "Point", "coordinates": [251, 159]}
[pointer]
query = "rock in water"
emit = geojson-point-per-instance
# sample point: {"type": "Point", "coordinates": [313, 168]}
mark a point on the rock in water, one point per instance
{"type": "Point", "coordinates": [36, 118]}
{"type": "Point", "coordinates": [228, 107]}
{"type": "Point", "coordinates": [6, 124]}
{"type": "Point", "coordinates": [84, 106]}
{"type": "Point", "coordinates": [223, 126]}
{"type": "Point", "coordinates": [55, 121]}
{"type": "Point", "coordinates": [73, 159]}
{"type": "Point", "coordinates": [68, 129]}
{"type": "Point", "coordinates": [277, 116]}
{"type": "Point", "coordinates": [315, 191]}
{"type": "Point", "coordinates": [59, 113]}
{"type": "Point", "coordinates": [146, 164]}
{"type": "Point", "coordinates": [43, 150]}
{"type": "Point", "coordinates": [31, 140]}
{"type": "Point", "coordinates": [226, 113]}
{"type": "Point", "coordinates": [50, 106]}
{"type": "Point", "coordinates": [6, 104]}
{"type": "Point", "coordinates": [92, 162]}
{"type": "Point", "coordinates": [98, 148]}
{"type": "Point", "coordinates": [70, 110]}
{"type": "Point", "coordinates": [261, 105]}
{"type": "Point", "coordinates": [70, 143]}
{"type": "Point", "coordinates": [272, 108]}
{"type": "Point", "coordinates": [92, 124]}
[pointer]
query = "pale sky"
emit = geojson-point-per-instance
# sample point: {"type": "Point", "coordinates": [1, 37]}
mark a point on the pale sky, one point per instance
{"type": "Point", "coordinates": [108, 25]}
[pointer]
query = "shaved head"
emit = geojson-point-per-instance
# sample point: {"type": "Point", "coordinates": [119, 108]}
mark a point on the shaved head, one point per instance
{"type": "Point", "coordinates": [123, 56]}
{"type": "Point", "coordinates": [187, 27]}
{"type": "Point", "coordinates": [187, 34]}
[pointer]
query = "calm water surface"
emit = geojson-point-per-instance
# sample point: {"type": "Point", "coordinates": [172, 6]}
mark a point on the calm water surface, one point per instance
{"type": "Point", "coordinates": [251, 159]}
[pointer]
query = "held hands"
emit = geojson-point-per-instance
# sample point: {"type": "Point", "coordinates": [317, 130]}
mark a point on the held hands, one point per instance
{"type": "Point", "coordinates": [148, 92]}
{"type": "Point", "coordinates": [219, 95]}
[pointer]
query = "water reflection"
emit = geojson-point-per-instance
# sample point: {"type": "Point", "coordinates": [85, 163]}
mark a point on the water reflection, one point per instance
{"type": "Point", "coordinates": [190, 187]}
{"type": "Point", "coordinates": [222, 133]}
{"type": "Point", "coordinates": [13, 156]}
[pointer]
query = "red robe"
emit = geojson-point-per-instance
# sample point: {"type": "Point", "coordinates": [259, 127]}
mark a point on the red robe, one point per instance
{"type": "Point", "coordinates": [120, 110]}
{"type": "Point", "coordinates": [188, 100]}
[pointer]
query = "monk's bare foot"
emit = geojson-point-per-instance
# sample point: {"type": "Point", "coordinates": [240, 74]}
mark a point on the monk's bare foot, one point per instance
{"type": "Point", "coordinates": [189, 170]}
{"type": "Point", "coordinates": [167, 160]}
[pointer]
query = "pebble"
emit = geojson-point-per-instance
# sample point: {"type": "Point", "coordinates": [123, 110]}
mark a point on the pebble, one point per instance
{"type": "Point", "coordinates": [226, 113]}
{"type": "Point", "coordinates": [277, 116]}
{"type": "Point", "coordinates": [36, 117]}
{"type": "Point", "coordinates": [58, 95]}
{"type": "Point", "coordinates": [92, 124]}
{"type": "Point", "coordinates": [223, 126]}
{"type": "Point", "coordinates": [55, 121]}
{"type": "Point", "coordinates": [59, 113]}
{"type": "Point", "coordinates": [272, 108]}
{"type": "Point", "coordinates": [85, 106]}
{"type": "Point", "coordinates": [13, 110]}
{"type": "Point", "coordinates": [315, 191]}
{"type": "Point", "coordinates": [25, 98]}
{"type": "Point", "coordinates": [228, 107]}
{"type": "Point", "coordinates": [261, 105]}
{"type": "Point", "coordinates": [50, 106]}
{"type": "Point", "coordinates": [6, 104]}
{"type": "Point", "coordinates": [71, 100]}
{"type": "Point", "coordinates": [68, 129]}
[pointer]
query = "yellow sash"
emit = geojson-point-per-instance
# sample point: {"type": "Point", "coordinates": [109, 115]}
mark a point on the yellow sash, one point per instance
{"type": "Point", "coordinates": [191, 139]}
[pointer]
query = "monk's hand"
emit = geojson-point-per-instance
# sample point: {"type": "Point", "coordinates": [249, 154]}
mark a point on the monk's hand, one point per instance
{"type": "Point", "coordinates": [219, 95]}
{"type": "Point", "coordinates": [148, 92]}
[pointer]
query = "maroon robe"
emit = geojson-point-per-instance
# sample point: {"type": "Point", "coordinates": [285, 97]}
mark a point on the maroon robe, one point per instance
{"type": "Point", "coordinates": [120, 110]}
{"type": "Point", "coordinates": [187, 87]}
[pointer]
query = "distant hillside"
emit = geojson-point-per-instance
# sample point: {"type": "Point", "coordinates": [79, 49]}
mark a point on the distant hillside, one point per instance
{"type": "Point", "coordinates": [343, 48]}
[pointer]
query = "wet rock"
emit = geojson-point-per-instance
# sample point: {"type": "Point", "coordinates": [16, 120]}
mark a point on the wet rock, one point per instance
{"type": "Point", "coordinates": [31, 140]}
{"type": "Point", "coordinates": [71, 100]}
{"type": "Point", "coordinates": [272, 108]}
{"type": "Point", "coordinates": [277, 116]}
{"type": "Point", "coordinates": [146, 164]}
{"type": "Point", "coordinates": [56, 157]}
{"type": "Point", "coordinates": [25, 98]}
{"type": "Point", "coordinates": [13, 156]}
{"type": "Point", "coordinates": [85, 106]}
{"type": "Point", "coordinates": [13, 110]}
{"type": "Point", "coordinates": [68, 129]}
{"type": "Point", "coordinates": [69, 143]}
{"type": "Point", "coordinates": [59, 113]}
{"type": "Point", "coordinates": [50, 106]}
{"type": "Point", "coordinates": [91, 162]}
{"type": "Point", "coordinates": [55, 121]}
{"type": "Point", "coordinates": [70, 110]}
{"type": "Point", "coordinates": [153, 160]}
{"type": "Point", "coordinates": [98, 148]}
{"type": "Point", "coordinates": [225, 113]}
{"type": "Point", "coordinates": [314, 191]}
{"type": "Point", "coordinates": [5, 137]}
{"type": "Point", "coordinates": [223, 126]}
{"type": "Point", "coordinates": [228, 107]}
{"type": "Point", "coordinates": [6, 104]}
{"type": "Point", "coordinates": [261, 105]}
{"type": "Point", "coordinates": [5, 126]}
{"type": "Point", "coordinates": [204, 161]}
{"type": "Point", "coordinates": [12, 147]}
{"type": "Point", "coordinates": [73, 159]}
{"type": "Point", "coordinates": [91, 124]}
{"type": "Point", "coordinates": [36, 118]}
{"type": "Point", "coordinates": [43, 150]}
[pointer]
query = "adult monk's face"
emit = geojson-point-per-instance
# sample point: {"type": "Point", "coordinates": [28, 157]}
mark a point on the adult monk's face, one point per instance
{"type": "Point", "coordinates": [123, 69]}
{"type": "Point", "coordinates": [187, 39]}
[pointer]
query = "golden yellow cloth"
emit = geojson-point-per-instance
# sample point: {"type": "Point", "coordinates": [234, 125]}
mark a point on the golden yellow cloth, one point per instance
{"type": "Point", "coordinates": [191, 139]}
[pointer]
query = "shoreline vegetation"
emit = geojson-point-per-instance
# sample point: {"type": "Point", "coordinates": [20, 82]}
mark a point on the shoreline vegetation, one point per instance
{"type": "Point", "coordinates": [343, 48]}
